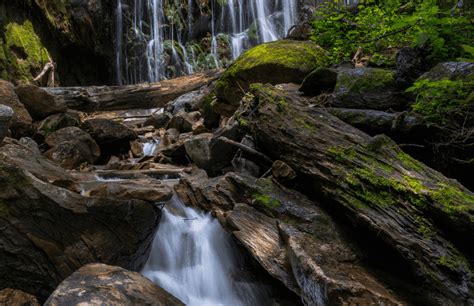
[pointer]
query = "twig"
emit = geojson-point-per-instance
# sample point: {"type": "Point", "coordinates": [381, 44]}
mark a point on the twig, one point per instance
{"type": "Point", "coordinates": [246, 149]}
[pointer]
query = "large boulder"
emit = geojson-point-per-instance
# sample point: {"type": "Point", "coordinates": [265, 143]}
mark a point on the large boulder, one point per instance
{"type": "Point", "coordinates": [71, 146]}
{"type": "Point", "coordinates": [21, 123]}
{"type": "Point", "coordinates": [38, 102]}
{"type": "Point", "coordinates": [99, 284]}
{"type": "Point", "coordinates": [112, 137]}
{"type": "Point", "coordinates": [6, 115]}
{"type": "Point", "coordinates": [285, 61]}
{"type": "Point", "coordinates": [368, 88]}
{"type": "Point", "coordinates": [48, 232]}
{"type": "Point", "coordinates": [319, 81]}
{"type": "Point", "coordinates": [450, 70]}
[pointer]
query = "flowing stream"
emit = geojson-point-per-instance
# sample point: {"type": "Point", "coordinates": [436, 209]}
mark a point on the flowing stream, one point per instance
{"type": "Point", "coordinates": [194, 259]}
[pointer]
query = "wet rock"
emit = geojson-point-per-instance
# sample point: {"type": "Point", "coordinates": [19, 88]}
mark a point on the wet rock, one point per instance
{"type": "Point", "coordinates": [199, 127]}
{"type": "Point", "coordinates": [6, 115]}
{"type": "Point", "coordinates": [188, 102]}
{"type": "Point", "coordinates": [112, 137]}
{"type": "Point", "coordinates": [38, 102]}
{"type": "Point", "coordinates": [368, 88]}
{"type": "Point", "coordinates": [137, 148]}
{"type": "Point", "coordinates": [31, 144]}
{"type": "Point", "coordinates": [158, 121]}
{"type": "Point", "coordinates": [99, 284]}
{"type": "Point", "coordinates": [198, 149]}
{"type": "Point", "coordinates": [285, 61]}
{"type": "Point", "coordinates": [21, 122]}
{"type": "Point", "coordinates": [281, 171]}
{"type": "Point", "coordinates": [58, 121]}
{"type": "Point", "coordinates": [183, 122]}
{"type": "Point", "coordinates": [48, 232]}
{"type": "Point", "coordinates": [319, 81]}
{"type": "Point", "coordinates": [13, 297]}
{"type": "Point", "coordinates": [149, 190]}
{"type": "Point", "coordinates": [71, 146]}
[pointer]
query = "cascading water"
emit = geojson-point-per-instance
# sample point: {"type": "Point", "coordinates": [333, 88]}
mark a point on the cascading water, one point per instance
{"type": "Point", "coordinates": [156, 39]}
{"type": "Point", "coordinates": [194, 259]}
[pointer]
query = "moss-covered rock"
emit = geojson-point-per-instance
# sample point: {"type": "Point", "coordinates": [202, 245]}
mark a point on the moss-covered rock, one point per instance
{"type": "Point", "coordinates": [368, 88]}
{"type": "Point", "coordinates": [277, 62]}
{"type": "Point", "coordinates": [22, 54]}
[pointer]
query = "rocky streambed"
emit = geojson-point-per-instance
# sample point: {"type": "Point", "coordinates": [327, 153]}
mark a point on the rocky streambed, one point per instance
{"type": "Point", "coordinates": [291, 172]}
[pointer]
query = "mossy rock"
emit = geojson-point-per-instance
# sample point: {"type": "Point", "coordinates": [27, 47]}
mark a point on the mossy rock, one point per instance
{"type": "Point", "coordinates": [22, 54]}
{"type": "Point", "coordinates": [283, 61]}
{"type": "Point", "coordinates": [368, 88]}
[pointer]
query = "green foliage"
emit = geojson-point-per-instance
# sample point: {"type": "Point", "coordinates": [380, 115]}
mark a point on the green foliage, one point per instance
{"type": "Point", "coordinates": [441, 100]}
{"type": "Point", "coordinates": [382, 25]}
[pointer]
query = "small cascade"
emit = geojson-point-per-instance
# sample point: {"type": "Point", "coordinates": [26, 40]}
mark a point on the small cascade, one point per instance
{"type": "Point", "coordinates": [150, 147]}
{"type": "Point", "coordinates": [194, 259]}
{"type": "Point", "coordinates": [156, 39]}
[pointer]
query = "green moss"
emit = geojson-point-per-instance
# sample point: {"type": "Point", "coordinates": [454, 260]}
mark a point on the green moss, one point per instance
{"type": "Point", "coordinates": [453, 199]}
{"type": "Point", "coordinates": [267, 201]}
{"type": "Point", "coordinates": [409, 161]}
{"type": "Point", "coordinates": [23, 49]}
{"type": "Point", "coordinates": [363, 80]}
{"type": "Point", "coordinates": [341, 154]}
{"type": "Point", "coordinates": [453, 263]}
{"type": "Point", "coordinates": [415, 184]}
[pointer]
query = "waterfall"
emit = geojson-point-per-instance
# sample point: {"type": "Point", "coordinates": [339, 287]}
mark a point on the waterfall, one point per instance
{"type": "Point", "coordinates": [194, 259]}
{"type": "Point", "coordinates": [148, 32]}
{"type": "Point", "coordinates": [150, 147]}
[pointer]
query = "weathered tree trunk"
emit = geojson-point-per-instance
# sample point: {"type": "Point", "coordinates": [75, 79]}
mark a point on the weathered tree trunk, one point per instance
{"type": "Point", "coordinates": [424, 218]}
{"type": "Point", "coordinates": [107, 98]}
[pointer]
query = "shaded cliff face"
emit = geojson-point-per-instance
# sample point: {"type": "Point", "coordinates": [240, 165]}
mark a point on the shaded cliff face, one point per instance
{"type": "Point", "coordinates": [75, 35]}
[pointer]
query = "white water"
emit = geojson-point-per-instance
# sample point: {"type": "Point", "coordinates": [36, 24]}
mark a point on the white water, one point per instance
{"type": "Point", "coordinates": [154, 34]}
{"type": "Point", "coordinates": [150, 147]}
{"type": "Point", "coordinates": [194, 259]}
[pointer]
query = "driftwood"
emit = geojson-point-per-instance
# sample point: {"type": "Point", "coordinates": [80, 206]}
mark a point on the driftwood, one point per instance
{"type": "Point", "coordinates": [405, 208]}
{"type": "Point", "coordinates": [108, 98]}
{"type": "Point", "coordinates": [246, 149]}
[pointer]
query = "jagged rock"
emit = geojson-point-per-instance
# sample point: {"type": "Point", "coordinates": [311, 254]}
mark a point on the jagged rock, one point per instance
{"type": "Point", "coordinates": [99, 284]}
{"type": "Point", "coordinates": [6, 115]}
{"type": "Point", "coordinates": [183, 121]}
{"type": "Point", "coordinates": [367, 88]}
{"type": "Point", "coordinates": [188, 102]}
{"type": "Point", "coordinates": [281, 171]}
{"type": "Point", "coordinates": [48, 232]}
{"type": "Point", "coordinates": [31, 144]}
{"type": "Point", "coordinates": [71, 146]}
{"type": "Point", "coordinates": [149, 190]}
{"type": "Point", "coordinates": [273, 222]}
{"type": "Point", "coordinates": [410, 211]}
{"type": "Point", "coordinates": [21, 122]}
{"type": "Point", "coordinates": [159, 121]}
{"type": "Point", "coordinates": [112, 137]}
{"type": "Point", "coordinates": [319, 81]}
{"type": "Point", "coordinates": [411, 63]}
{"type": "Point", "coordinates": [198, 149]}
{"type": "Point", "coordinates": [13, 297]}
{"type": "Point", "coordinates": [278, 62]}
{"type": "Point", "coordinates": [58, 121]}
{"type": "Point", "coordinates": [38, 102]}
{"type": "Point", "coordinates": [199, 127]}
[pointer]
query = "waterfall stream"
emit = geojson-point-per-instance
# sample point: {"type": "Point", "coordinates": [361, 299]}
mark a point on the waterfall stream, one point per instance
{"type": "Point", "coordinates": [155, 39]}
{"type": "Point", "coordinates": [194, 259]}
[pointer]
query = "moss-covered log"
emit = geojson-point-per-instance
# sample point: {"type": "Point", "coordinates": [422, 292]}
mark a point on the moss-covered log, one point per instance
{"type": "Point", "coordinates": [415, 212]}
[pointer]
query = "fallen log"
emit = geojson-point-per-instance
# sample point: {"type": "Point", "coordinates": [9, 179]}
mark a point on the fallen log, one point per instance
{"type": "Point", "coordinates": [411, 211]}
{"type": "Point", "coordinates": [150, 95]}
